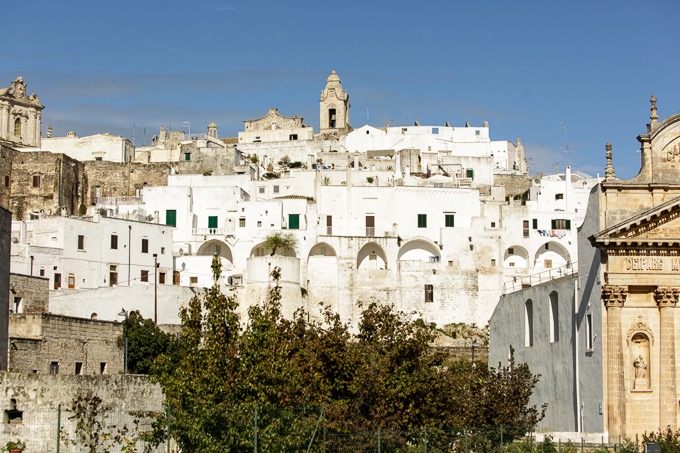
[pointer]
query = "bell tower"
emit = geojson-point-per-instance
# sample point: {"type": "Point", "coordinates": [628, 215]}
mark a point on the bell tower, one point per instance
{"type": "Point", "coordinates": [334, 107]}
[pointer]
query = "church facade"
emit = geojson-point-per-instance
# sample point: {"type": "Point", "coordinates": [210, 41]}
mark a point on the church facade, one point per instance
{"type": "Point", "coordinates": [619, 314]}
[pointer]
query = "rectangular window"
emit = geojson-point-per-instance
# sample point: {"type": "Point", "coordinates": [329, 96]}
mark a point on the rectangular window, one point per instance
{"type": "Point", "coordinates": [448, 220]}
{"type": "Point", "coordinates": [470, 173]}
{"type": "Point", "coordinates": [54, 367]}
{"type": "Point", "coordinates": [559, 196]}
{"type": "Point", "coordinates": [242, 222]}
{"type": "Point", "coordinates": [36, 180]}
{"type": "Point", "coordinates": [534, 224]}
{"type": "Point", "coordinates": [435, 130]}
{"type": "Point", "coordinates": [293, 221]}
{"type": "Point", "coordinates": [145, 246]}
{"type": "Point", "coordinates": [79, 368]}
{"type": "Point", "coordinates": [493, 262]}
{"type": "Point", "coordinates": [589, 331]}
{"type": "Point", "coordinates": [113, 274]}
{"type": "Point", "coordinates": [71, 281]}
{"type": "Point", "coordinates": [429, 293]}
{"type": "Point", "coordinates": [171, 217]}
{"type": "Point", "coordinates": [114, 241]}
{"type": "Point", "coordinates": [329, 225]}
{"type": "Point", "coordinates": [525, 228]}
{"type": "Point", "coordinates": [98, 159]}
{"type": "Point", "coordinates": [292, 137]}
{"type": "Point", "coordinates": [187, 156]}
{"type": "Point", "coordinates": [260, 189]}
{"type": "Point", "coordinates": [422, 220]}
{"type": "Point", "coordinates": [161, 278]}
{"type": "Point", "coordinates": [193, 281]}
{"type": "Point", "coordinates": [259, 223]}
{"type": "Point", "coordinates": [6, 181]}
{"type": "Point", "coordinates": [493, 224]}
{"type": "Point", "coordinates": [560, 224]}
{"type": "Point", "coordinates": [42, 272]}
{"type": "Point", "coordinates": [547, 264]}
{"type": "Point", "coordinates": [276, 189]}
{"type": "Point", "coordinates": [81, 242]}
{"type": "Point", "coordinates": [144, 276]}
{"type": "Point", "coordinates": [102, 367]}
{"type": "Point", "coordinates": [212, 223]}
{"type": "Point", "coordinates": [162, 250]}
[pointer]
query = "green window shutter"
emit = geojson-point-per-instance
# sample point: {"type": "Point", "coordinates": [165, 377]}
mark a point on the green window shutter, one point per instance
{"type": "Point", "coordinates": [422, 220]}
{"type": "Point", "coordinates": [171, 217]}
{"type": "Point", "coordinates": [449, 220]}
{"type": "Point", "coordinates": [535, 224]}
{"type": "Point", "coordinates": [553, 224]}
{"type": "Point", "coordinates": [470, 173]}
{"type": "Point", "coordinates": [212, 221]}
{"type": "Point", "coordinates": [568, 224]}
{"type": "Point", "coordinates": [293, 221]}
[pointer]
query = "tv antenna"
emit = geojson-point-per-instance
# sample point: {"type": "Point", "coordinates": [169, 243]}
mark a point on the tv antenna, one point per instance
{"type": "Point", "coordinates": [565, 149]}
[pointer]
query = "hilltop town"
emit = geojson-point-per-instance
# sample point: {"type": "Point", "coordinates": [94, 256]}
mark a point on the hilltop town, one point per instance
{"type": "Point", "coordinates": [438, 221]}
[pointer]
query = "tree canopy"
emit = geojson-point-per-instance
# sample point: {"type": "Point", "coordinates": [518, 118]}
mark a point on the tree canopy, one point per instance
{"type": "Point", "coordinates": [287, 374]}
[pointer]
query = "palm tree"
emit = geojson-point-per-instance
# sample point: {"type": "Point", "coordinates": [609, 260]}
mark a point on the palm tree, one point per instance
{"type": "Point", "coordinates": [281, 241]}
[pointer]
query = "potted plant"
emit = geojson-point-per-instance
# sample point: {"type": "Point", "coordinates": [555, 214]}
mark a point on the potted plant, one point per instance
{"type": "Point", "coordinates": [15, 446]}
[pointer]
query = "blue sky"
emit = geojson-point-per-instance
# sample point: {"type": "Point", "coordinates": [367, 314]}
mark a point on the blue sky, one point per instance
{"type": "Point", "coordinates": [527, 67]}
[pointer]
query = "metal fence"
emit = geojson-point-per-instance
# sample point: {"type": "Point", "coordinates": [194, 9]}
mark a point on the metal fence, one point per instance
{"type": "Point", "coordinates": [92, 426]}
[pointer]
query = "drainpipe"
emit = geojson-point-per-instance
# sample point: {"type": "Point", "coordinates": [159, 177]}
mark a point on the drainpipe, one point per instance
{"type": "Point", "coordinates": [579, 410]}
{"type": "Point", "coordinates": [129, 252]}
{"type": "Point", "coordinates": [32, 265]}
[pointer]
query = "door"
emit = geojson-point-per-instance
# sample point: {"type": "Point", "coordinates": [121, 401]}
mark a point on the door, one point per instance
{"type": "Point", "coordinates": [293, 221]}
{"type": "Point", "coordinates": [212, 224]}
{"type": "Point", "coordinates": [57, 281]}
{"type": "Point", "coordinates": [370, 226]}
{"type": "Point", "coordinates": [329, 225]}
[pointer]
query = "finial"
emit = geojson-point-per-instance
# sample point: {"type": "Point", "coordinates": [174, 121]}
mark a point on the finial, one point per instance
{"type": "Point", "coordinates": [609, 168]}
{"type": "Point", "coordinates": [49, 131]}
{"type": "Point", "coordinates": [653, 116]}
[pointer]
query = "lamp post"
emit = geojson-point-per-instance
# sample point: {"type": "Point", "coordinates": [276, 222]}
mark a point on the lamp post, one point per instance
{"type": "Point", "coordinates": [474, 345]}
{"type": "Point", "coordinates": [155, 288]}
{"type": "Point", "coordinates": [125, 314]}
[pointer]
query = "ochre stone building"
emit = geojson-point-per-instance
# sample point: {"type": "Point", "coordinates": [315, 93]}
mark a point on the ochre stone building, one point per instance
{"type": "Point", "coordinates": [640, 257]}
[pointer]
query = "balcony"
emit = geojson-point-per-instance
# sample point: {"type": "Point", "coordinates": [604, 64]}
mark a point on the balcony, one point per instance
{"type": "Point", "coordinates": [211, 231]}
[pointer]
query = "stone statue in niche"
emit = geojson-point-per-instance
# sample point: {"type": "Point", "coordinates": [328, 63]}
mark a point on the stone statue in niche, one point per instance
{"type": "Point", "coordinates": [640, 350]}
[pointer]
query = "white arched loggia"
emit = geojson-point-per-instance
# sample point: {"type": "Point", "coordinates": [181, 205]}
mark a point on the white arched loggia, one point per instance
{"type": "Point", "coordinates": [371, 256]}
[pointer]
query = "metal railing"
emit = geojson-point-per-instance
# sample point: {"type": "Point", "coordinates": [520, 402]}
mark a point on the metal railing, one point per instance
{"type": "Point", "coordinates": [519, 282]}
{"type": "Point", "coordinates": [117, 201]}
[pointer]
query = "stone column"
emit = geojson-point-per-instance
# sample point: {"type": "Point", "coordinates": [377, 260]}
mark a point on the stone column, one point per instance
{"type": "Point", "coordinates": [614, 298]}
{"type": "Point", "coordinates": [4, 121]}
{"type": "Point", "coordinates": [666, 299]}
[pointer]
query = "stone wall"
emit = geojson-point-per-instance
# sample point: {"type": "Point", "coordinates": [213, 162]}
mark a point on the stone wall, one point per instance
{"type": "Point", "coordinates": [115, 179]}
{"type": "Point", "coordinates": [514, 184]}
{"type": "Point", "coordinates": [6, 156]}
{"type": "Point", "coordinates": [43, 181]}
{"type": "Point", "coordinates": [31, 404]}
{"type": "Point", "coordinates": [54, 344]}
{"type": "Point", "coordinates": [5, 247]}
{"type": "Point", "coordinates": [28, 294]}
{"type": "Point", "coordinates": [212, 160]}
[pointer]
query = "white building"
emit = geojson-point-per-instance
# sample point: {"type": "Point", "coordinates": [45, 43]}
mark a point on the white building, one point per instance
{"type": "Point", "coordinates": [98, 147]}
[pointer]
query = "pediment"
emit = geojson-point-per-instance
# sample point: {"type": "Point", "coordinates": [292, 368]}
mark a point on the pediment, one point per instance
{"type": "Point", "coordinates": [658, 225]}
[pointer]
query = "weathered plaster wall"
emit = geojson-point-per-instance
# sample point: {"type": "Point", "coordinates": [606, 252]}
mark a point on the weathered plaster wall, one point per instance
{"type": "Point", "coordinates": [37, 398]}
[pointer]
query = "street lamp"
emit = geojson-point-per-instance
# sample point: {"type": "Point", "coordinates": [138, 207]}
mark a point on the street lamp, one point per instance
{"type": "Point", "coordinates": [474, 345]}
{"type": "Point", "coordinates": [155, 288]}
{"type": "Point", "coordinates": [125, 314]}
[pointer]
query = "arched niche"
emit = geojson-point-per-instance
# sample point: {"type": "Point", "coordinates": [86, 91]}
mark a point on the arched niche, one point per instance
{"type": "Point", "coordinates": [215, 247]}
{"type": "Point", "coordinates": [371, 256]}
{"type": "Point", "coordinates": [551, 255]}
{"type": "Point", "coordinates": [516, 257]}
{"type": "Point", "coordinates": [639, 361]}
{"type": "Point", "coordinates": [419, 249]}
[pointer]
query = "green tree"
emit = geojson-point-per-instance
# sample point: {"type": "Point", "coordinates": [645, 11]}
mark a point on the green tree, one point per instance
{"type": "Point", "coordinates": [278, 240]}
{"type": "Point", "coordinates": [145, 342]}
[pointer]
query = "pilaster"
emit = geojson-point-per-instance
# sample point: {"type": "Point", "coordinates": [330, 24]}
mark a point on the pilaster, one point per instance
{"type": "Point", "coordinates": [667, 299]}
{"type": "Point", "coordinates": [614, 297]}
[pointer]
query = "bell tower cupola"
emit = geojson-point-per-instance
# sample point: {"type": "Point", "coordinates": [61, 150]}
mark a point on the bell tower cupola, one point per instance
{"type": "Point", "coordinates": [334, 107]}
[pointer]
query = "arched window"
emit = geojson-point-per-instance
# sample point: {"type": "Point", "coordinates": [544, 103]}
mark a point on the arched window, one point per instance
{"type": "Point", "coordinates": [528, 323]}
{"type": "Point", "coordinates": [554, 318]}
{"type": "Point", "coordinates": [17, 127]}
